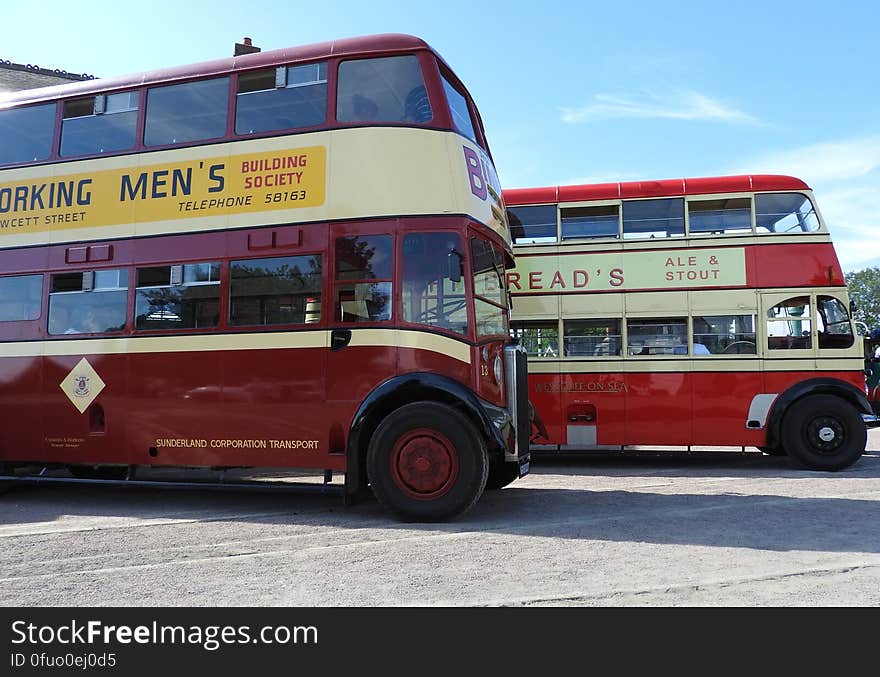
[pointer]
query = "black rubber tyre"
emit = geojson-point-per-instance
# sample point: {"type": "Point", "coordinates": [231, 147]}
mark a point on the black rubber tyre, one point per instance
{"type": "Point", "coordinates": [427, 463]}
{"type": "Point", "coordinates": [823, 432]}
{"type": "Point", "coordinates": [501, 474]}
{"type": "Point", "coordinates": [98, 472]}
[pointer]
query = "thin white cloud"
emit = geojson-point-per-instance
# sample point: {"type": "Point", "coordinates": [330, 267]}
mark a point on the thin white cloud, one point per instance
{"type": "Point", "coordinates": [845, 177]}
{"type": "Point", "coordinates": [684, 105]}
{"type": "Point", "coordinates": [827, 161]}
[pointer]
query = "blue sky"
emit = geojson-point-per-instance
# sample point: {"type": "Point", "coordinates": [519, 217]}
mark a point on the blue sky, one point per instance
{"type": "Point", "coordinates": [570, 92]}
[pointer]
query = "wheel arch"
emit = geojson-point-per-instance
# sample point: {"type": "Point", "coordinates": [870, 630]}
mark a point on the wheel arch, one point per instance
{"type": "Point", "coordinates": [405, 389]}
{"type": "Point", "coordinates": [813, 386]}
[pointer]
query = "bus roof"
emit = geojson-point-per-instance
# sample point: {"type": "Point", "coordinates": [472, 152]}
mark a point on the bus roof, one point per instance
{"type": "Point", "coordinates": [370, 44]}
{"type": "Point", "coordinates": [646, 189]}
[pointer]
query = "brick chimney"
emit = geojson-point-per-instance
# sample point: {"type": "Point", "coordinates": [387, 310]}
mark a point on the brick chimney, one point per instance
{"type": "Point", "coordinates": [245, 47]}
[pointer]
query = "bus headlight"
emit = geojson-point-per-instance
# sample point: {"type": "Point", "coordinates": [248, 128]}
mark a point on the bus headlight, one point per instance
{"type": "Point", "coordinates": [498, 369]}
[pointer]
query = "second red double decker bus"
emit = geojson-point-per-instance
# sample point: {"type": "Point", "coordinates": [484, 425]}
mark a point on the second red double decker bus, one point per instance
{"type": "Point", "coordinates": [689, 312]}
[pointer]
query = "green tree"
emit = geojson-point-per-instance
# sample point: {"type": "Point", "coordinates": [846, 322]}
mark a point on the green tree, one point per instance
{"type": "Point", "coordinates": [864, 292]}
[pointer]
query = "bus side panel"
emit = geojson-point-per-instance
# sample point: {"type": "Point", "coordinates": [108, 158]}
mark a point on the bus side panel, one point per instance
{"type": "Point", "coordinates": [97, 434]}
{"type": "Point", "coordinates": [260, 407]}
{"type": "Point", "coordinates": [597, 400]}
{"type": "Point", "coordinates": [779, 381]}
{"type": "Point", "coordinates": [658, 408]}
{"type": "Point", "coordinates": [546, 398]}
{"type": "Point", "coordinates": [721, 407]}
{"type": "Point", "coordinates": [21, 424]}
{"type": "Point", "coordinates": [787, 265]}
{"type": "Point", "coordinates": [355, 371]}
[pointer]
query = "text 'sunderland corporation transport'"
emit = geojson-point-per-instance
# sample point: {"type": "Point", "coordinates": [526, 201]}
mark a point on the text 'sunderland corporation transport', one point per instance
{"type": "Point", "coordinates": [288, 259]}
{"type": "Point", "coordinates": [708, 311]}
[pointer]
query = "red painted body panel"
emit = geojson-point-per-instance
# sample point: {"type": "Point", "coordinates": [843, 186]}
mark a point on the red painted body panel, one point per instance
{"type": "Point", "coordinates": [211, 396]}
{"type": "Point", "coordinates": [646, 189]}
{"type": "Point", "coordinates": [793, 265]}
{"type": "Point", "coordinates": [663, 408]}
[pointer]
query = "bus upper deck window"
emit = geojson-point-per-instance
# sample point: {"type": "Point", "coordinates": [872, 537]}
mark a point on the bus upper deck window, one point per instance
{"type": "Point", "coordinates": [589, 222]}
{"type": "Point", "coordinates": [387, 89]}
{"type": "Point", "coordinates": [287, 97]}
{"type": "Point", "coordinates": [189, 112]}
{"type": "Point", "coordinates": [99, 124]}
{"type": "Point", "coordinates": [458, 107]}
{"type": "Point", "coordinates": [723, 215]}
{"type": "Point", "coordinates": [785, 213]}
{"type": "Point", "coordinates": [26, 133]}
{"type": "Point", "coordinates": [532, 224]}
{"type": "Point", "coordinates": [653, 218]}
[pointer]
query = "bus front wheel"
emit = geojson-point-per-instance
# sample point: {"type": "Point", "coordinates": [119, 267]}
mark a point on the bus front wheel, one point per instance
{"type": "Point", "coordinates": [823, 432]}
{"type": "Point", "coordinates": [427, 463]}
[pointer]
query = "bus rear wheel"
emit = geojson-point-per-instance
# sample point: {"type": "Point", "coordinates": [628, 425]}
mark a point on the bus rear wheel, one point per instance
{"type": "Point", "coordinates": [824, 432]}
{"type": "Point", "coordinates": [427, 463]}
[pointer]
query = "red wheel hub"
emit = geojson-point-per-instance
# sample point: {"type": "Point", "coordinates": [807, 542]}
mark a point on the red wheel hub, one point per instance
{"type": "Point", "coordinates": [424, 464]}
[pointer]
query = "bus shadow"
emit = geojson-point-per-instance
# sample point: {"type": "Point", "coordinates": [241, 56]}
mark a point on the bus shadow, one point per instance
{"type": "Point", "coordinates": [693, 464]}
{"type": "Point", "coordinates": [567, 512]}
{"type": "Point", "coordinates": [750, 521]}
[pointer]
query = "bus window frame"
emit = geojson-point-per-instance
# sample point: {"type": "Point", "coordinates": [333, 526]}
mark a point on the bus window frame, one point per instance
{"type": "Point", "coordinates": [561, 239]}
{"type": "Point", "coordinates": [470, 331]}
{"type": "Point", "coordinates": [470, 235]}
{"type": "Point", "coordinates": [807, 195]}
{"type": "Point", "coordinates": [136, 288]}
{"type": "Point", "coordinates": [329, 119]}
{"type": "Point", "coordinates": [125, 330]}
{"type": "Point", "coordinates": [225, 322]}
{"type": "Point", "coordinates": [331, 272]}
{"type": "Point", "coordinates": [137, 131]}
{"type": "Point", "coordinates": [444, 73]}
{"type": "Point", "coordinates": [719, 196]}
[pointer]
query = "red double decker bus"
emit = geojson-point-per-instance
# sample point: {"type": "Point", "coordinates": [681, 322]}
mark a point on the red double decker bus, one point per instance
{"type": "Point", "coordinates": [688, 312]}
{"type": "Point", "coordinates": [286, 259]}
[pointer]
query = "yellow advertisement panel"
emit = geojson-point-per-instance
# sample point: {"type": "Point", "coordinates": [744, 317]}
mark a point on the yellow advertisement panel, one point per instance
{"type": "Point", "coordinates": [625, 271]}
{"type": "Point", "coordinates": [285, 178]}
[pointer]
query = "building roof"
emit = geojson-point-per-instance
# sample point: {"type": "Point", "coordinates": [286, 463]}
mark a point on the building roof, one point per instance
{"type": "Point", "coordinates": [15, 77]}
